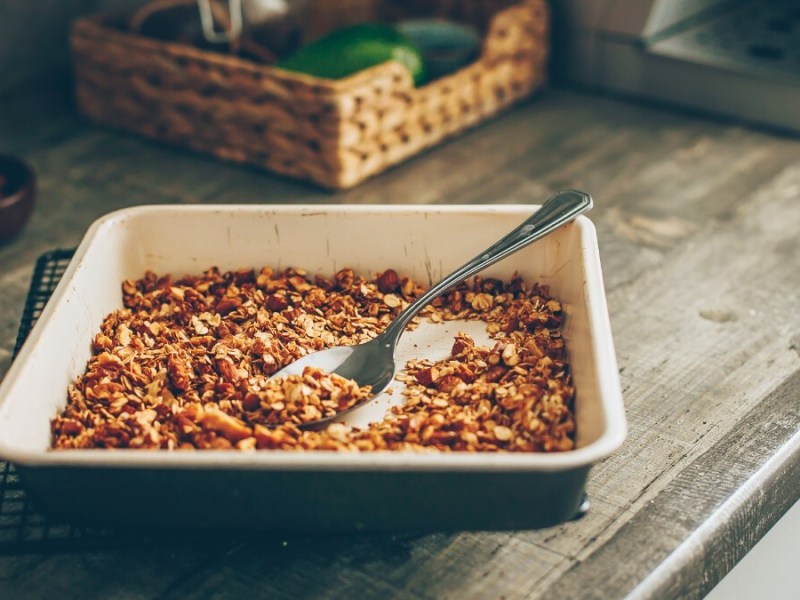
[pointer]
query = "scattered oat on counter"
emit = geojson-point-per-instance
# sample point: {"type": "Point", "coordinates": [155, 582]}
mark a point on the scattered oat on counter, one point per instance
{"type": "Point", "coordinates": [187, 365]}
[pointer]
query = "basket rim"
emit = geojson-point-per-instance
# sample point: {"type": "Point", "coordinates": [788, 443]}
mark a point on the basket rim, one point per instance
{"type": "Point", "coordinates": [96, 25]}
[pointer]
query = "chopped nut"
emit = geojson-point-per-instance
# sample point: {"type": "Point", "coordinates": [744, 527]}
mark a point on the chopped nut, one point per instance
{"type": "Point", "coordinates": [276, 303]}
{"type": "Point", "coordinates": [228, 305]}
{"type": "Point", "coordinates": [246, 444]}
{"type": "Point", "coordinates": [482, 302]}
{"type": "Point", "coordinates": [179, 374]}
{"type": "Point", "coordinates": [448, 383]}
{"type": "Point", "coordinates": [388, 281]}
{"type": "Point", "coordinates": [462, 345]}
{"type": "Point", "coordinates": [427, 377]}
{"type": "Point", "coordinates": [70, 427]}
{"type": "Point", "coordinates": [392, 300]}
{"type": "Point", "coordinates": [299, 283]}
{"type": "Point", "coordinates": [199, 327]}
{"type": "Point", "coordinates": [338, 431]}
{"type": "Point", "coordinates": [554, 306]}
{"type": "Point", "coordinates": [502, 434]}
{"type": "Point", "coordinates": [495, 373]}
{"type": "Point", "coordinates": [231, 427]}
{"type": "Point", "coordinates": [510, 356]}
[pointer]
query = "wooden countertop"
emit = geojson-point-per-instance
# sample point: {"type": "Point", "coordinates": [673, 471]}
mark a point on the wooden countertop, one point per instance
{"type": "Point", "coordinates": [698, 226]}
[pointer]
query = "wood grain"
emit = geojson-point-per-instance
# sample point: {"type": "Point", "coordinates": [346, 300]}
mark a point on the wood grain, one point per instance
{"type": "Point", "coordinates": [697, 222]}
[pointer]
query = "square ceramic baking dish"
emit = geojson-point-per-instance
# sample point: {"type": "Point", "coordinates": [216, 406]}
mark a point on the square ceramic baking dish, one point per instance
{"type": "Point", "coordinates": [319, 491]}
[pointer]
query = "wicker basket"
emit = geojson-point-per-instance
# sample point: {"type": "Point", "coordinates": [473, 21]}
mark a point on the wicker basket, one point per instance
{"type": "Point", "coordinates": [334, 133]}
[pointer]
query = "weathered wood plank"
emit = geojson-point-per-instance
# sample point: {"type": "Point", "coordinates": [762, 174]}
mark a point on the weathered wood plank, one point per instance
{"type": "Point", "coordinates": [697, 223]}
{"type": "Point", "coordinates": [704, 495]}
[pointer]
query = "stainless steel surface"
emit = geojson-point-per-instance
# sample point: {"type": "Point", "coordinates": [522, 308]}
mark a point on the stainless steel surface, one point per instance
{"type": "Point", "coordinates": [760, 39]}
{"type": "Point", "coordinates": [372, 363]}
{"type": "Point", "coordinates": [736, 58]}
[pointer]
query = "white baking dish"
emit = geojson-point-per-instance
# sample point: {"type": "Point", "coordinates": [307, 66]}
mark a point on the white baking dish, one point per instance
{"type": "Point", "coordinates": [309, 490]}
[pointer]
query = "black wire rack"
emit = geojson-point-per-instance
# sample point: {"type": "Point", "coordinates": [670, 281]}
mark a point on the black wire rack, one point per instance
{"type": "Point", "coordinates": [22, 528]}
{"type": "Point", "coordinates": [48, 272]}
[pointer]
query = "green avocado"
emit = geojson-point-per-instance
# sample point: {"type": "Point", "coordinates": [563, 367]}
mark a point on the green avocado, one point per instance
{"type": "Point", "coordinates": [352, 49]}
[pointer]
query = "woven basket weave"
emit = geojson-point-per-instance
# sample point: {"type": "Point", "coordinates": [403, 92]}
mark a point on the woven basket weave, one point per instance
{"type": "Point", "coordinates": [334, 133]}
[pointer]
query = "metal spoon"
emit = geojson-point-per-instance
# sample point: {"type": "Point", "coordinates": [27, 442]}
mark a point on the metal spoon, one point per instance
{"type": "Point", "coordinates": [372, 363]}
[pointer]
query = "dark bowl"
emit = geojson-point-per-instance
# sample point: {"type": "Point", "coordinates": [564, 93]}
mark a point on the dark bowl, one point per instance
{"type": "Point", "coordinates": [17, 194]}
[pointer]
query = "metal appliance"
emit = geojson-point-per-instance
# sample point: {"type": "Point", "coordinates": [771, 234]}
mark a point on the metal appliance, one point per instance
{"type": "Point", "coordinates": [733, 57]}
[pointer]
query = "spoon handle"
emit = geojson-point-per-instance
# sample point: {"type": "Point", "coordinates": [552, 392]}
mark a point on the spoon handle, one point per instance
{"type": "Point", "coordinates": [556, 210]}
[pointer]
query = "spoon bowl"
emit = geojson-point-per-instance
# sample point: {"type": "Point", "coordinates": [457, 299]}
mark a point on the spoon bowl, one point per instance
{"type": "Point", "coordinates": [372, 363]}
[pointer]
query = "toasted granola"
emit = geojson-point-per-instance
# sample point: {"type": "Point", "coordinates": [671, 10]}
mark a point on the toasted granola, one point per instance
{"type": "Point", "coordinates": [187, 365]}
